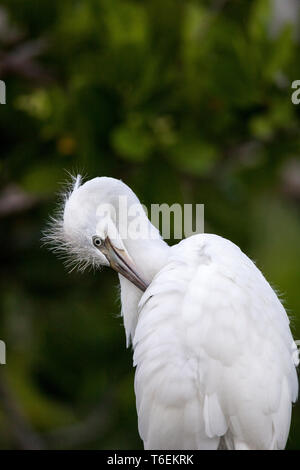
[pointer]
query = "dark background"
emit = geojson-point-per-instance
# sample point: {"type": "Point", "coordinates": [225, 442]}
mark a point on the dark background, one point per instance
{"type": "Point", "coordinates": [186, 102]}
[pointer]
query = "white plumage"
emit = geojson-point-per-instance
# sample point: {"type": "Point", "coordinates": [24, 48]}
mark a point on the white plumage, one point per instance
{"type": "Point", "coordinates": [213, 351]}
{"type": "Point", "coordinates": [215, 358]}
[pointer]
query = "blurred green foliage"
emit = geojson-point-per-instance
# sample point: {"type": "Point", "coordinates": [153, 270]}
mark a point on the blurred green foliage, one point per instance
{"type": "Point", "coordinates": [186, 102]}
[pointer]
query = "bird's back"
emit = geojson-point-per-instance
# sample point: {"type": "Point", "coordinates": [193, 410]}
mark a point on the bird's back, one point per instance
{"type": "Point", "coordinates": [214, 353]}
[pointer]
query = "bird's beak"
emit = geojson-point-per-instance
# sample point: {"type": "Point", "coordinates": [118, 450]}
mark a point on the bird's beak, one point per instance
{"type": "Point", "coordinates": [121, 262]}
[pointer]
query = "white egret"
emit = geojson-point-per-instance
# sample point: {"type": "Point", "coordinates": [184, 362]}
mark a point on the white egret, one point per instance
{"type": "Point", "coordinates": [215, 358]}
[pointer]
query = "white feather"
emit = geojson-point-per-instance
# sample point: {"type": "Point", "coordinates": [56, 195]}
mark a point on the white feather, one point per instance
{"type": "Point", "coordinates": [214, 355]}
{"type": "Point", "coordinates": [213, 338]}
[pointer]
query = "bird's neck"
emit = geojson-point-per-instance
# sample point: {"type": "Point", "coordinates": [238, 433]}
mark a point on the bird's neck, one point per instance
{"type": "Point", "coordinates": [149, 255]}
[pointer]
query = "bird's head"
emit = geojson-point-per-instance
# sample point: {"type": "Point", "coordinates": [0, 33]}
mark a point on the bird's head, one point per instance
{"type": "Point", "coordinates": [87, 228]}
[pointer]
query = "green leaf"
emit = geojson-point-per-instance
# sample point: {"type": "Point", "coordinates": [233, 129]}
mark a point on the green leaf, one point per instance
{"type": "Point", "coordinates": [133, 141]}
{"type": "Point", "coordinates": [194, 156]}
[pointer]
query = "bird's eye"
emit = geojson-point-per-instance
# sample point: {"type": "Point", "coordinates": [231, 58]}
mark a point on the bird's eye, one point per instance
{"type": "Point", "coordinates": [97, 241]}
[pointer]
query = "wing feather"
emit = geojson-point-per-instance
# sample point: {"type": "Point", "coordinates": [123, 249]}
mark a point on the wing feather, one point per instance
{"type": "Point", "coordinates": [214, 353]}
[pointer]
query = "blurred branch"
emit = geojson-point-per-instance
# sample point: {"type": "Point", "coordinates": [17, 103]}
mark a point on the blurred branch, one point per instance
{"type": "Point", "coordinates": [17, 56]}
{"type": "Point", "coordinates": [20, 61]}
{"type": "Point", "coordinates": [26, 438]}
{"type": "Point", "coordinates": [9, 34]}
{"type": "Point", "coordinates": [290, 179]}
{"type": "Point", "coordinates": [88, 430]}
{"type": "Point", "coordinates": [13, 199]}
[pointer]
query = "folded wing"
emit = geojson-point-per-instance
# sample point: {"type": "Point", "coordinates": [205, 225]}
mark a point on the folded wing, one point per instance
{"type": "Point", "coordinates": [214, 355]}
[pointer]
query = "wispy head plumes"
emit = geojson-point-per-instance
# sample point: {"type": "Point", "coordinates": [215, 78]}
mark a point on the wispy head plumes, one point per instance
{"type": "Point", "coordinates": [54, 236]}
